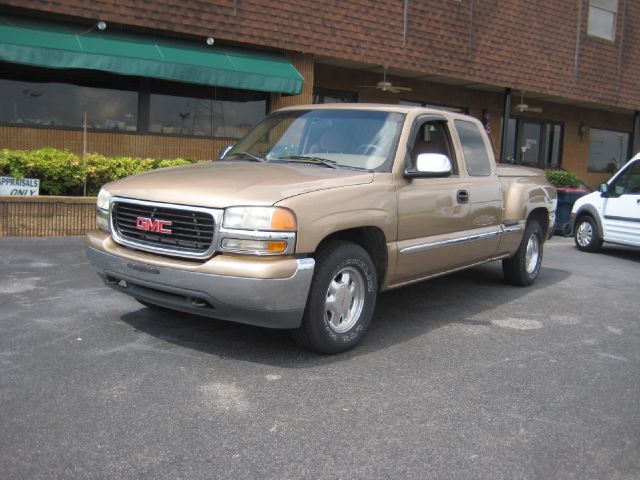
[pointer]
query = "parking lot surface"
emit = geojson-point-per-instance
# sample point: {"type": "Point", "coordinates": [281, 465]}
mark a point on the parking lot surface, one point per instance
{"type": "Point", "coordinates": [459, 377]}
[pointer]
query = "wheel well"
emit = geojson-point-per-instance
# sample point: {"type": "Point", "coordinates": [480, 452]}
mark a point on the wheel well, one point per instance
{"type": "Point", "coordinates": [587, 213]}
{"type": "Point", "coordinates": [541, 215]}
{"type": "Point", "coordinates": [372, 239]}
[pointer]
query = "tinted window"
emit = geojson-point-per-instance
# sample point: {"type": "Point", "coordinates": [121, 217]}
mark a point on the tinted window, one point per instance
{"type": "Point", "coordinates": [327, 95]}
{"type": "Point", "coordinates": [473, 148]}
{"type": "Point", "coordinates": [608, 150]}
{"type": "Point", "coordinates": [207, 112]}
{"type": "Point", "coordinates": [64, 105]}
{"type": "Point", "coordinates": [433, 137]}
{"type": "Point", "coordinates": [628, 182]}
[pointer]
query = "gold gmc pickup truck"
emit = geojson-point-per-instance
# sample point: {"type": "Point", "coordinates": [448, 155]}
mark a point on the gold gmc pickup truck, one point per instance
{"type": "Point", "coordinates": [313, 212]}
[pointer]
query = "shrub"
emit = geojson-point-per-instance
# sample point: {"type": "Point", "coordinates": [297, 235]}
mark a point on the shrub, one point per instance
{"type": "Point", "coordinates": [562, 179]}
{"type": "Point", "coordinates": [62, 172]}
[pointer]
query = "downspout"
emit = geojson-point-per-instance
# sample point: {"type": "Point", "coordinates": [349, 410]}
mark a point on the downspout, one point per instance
{"type": "Point", "coordinates": [404, 22]}
{"type": "Point", "coordinates": [635, 134]}
{"type": "Point", "coordinates": [578, 35]}
{"type": "Point", "coordinates": [470, 44]}
{"type": "Point", "coordinates": [621, 47]}
{"type": "Point", "coordinates": [505, 125]}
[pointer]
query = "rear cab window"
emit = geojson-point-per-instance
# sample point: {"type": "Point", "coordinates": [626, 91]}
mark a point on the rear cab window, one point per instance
{"type": "Point", "coordinates": [474, 149]}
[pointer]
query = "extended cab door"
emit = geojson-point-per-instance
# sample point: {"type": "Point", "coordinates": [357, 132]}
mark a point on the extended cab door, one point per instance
{"type": "Point", "coordinates": [483, 188]}
{"type": "Point", "coordinates": [621, 207]}
{"type": "Point", "coordinates": [438, 216]}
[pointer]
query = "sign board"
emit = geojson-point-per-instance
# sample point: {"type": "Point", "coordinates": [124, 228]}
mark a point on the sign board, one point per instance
{"type": "Point", "coordinates": [20, 187]}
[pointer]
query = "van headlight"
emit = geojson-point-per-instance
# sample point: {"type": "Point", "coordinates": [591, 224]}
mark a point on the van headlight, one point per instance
{"type": "Point", "coordinates": [102, 211]}
{"type": "Point", "coordinates": [258, 230]}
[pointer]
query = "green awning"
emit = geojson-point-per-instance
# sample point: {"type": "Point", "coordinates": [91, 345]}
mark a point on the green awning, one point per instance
{"type": "Point", "coordinates": [58, 46]}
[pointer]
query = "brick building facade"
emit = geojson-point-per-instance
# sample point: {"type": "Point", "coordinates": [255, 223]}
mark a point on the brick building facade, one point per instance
{"type": "Point", "coordinates": [574, 64]}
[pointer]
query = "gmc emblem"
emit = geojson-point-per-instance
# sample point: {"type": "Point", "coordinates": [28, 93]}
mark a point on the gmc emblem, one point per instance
{"type": "Point", "coordinates": [151, 225]}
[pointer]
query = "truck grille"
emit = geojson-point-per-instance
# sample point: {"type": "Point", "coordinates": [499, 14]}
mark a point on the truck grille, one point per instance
{"type": "Point", "coordinates": [164, 228]}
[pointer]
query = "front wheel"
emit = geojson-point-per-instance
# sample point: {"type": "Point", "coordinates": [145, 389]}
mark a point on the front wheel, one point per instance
{"type": "Point", "coordinates": [587, 235]}
{"type": "Point", "coordinates": [341, 300]}
{"type": "Point", "coordinates": [523, 268]}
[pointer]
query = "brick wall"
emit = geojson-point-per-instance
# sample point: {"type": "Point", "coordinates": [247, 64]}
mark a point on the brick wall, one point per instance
{"type": "Point", "coordinates": [528, 45]}
{"type": "Point", "coordinates": [107, 143]}
{"type": "Point", "coordinates": [46, 216]}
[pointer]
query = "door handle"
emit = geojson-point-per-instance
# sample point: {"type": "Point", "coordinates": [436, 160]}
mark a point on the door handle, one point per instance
{"type": "Point", "coordinates": [462, 196]}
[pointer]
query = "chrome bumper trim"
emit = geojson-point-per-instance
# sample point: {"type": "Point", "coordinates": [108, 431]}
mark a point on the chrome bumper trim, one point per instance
{"type": "Point", "coordinates": [447, 243]}
{"type": "Point", "coordinates": [272, 302]}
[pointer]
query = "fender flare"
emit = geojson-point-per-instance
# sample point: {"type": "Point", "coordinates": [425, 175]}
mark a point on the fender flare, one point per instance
{"type": "Point", "coordinates": [592, 212]}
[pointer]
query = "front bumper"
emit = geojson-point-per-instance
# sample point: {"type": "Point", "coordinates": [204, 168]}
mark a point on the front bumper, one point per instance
{"type": "Point", "coordinates": [253, 299]}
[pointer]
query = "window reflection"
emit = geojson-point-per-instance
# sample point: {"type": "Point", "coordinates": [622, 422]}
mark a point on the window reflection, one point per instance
{"type": "Point", "coordinates": [170, 114]}
{"type": "Point", "coordinates": [63, 105]}
{"type": "Point", "coordinates": [473, 149]}
{"type": "Point", "coordinates": [608, 150]}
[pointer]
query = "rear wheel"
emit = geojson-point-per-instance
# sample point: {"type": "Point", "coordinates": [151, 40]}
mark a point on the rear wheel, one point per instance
{"type": "Point", "coordinates": [587, 235]}
{"type": "Point", "coordinates": [341, 300]}
{"type": "Point", "coordinates": [523, 268]}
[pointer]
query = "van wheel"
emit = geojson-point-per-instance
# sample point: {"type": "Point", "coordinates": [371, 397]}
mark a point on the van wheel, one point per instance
{"type": "Point", "coordinates": [587, 235]}
{"type": "Point", "coordinates": [522, 269]}
{"type": "Point", "coordinates": [341, 299]}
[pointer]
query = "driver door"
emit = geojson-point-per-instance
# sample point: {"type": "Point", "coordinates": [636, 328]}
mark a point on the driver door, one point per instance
{"type": "Point", "coordinates": [621, 210]}
{"type": "Point", "coordinates": [432, 212]}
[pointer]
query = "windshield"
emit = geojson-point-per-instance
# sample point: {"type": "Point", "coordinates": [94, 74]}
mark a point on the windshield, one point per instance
{"type": "Point", "coordinates": [357, 139]}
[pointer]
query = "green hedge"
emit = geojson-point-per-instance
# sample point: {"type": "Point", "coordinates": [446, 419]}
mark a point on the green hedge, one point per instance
{"type": "Point", "coordinates": [62, 172]}
{"type": "Point", "coordinates": [562, 178]}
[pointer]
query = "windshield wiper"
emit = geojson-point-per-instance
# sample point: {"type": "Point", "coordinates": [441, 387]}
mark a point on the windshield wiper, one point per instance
{"type": "Point", "coordinates": [253, 157]}
{"type": "Point", "coordinates": [303, 158]}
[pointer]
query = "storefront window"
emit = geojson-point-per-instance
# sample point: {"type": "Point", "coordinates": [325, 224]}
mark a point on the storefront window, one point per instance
{"type": "Point", "coordinates": [608, 150]}
{"type": "Point", "coordinates": [64, 105]}
{"type": "Point", "coordinates": [448, 108]}
{"type": "Point", "coordinates": [328, 95]}
{"type": "Point", "coordinates": [205, 115]}
{"type": "Point", "coordinates": [534, 142]}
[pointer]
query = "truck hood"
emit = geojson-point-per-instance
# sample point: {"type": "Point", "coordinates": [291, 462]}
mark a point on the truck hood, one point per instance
{"type": "Point", "coordinates": [223, 184]}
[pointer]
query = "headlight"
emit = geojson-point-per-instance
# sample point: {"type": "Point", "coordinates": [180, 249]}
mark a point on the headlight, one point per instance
{"type": "Point", "coordinates": [258, 231]}
{"type": "Point", "coordinates": [259, 218]}
{"type": "Point", "coordinates": [103, 199]}
{"type": "Point", "coordinates": [102, 213]}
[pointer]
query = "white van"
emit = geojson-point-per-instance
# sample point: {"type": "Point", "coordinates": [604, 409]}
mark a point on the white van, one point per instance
{"type": "Point", "coordinates": [611, 214]}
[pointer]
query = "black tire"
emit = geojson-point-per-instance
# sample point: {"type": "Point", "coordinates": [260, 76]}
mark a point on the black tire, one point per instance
{"type": "Point", "coordinates": [523, 268]}
{"type": "Point", "coordinates": [341, 300]}
{"type": "Point", "coordinates": [587, 235]}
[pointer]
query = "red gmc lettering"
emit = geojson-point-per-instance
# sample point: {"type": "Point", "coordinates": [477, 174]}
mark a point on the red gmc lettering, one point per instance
{"type": "Point", "coordinates": [151, 225]}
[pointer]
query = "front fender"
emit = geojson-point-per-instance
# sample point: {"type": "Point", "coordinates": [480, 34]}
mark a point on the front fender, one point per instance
{"type": "Point", "coordinates": [590, 210]}
{"type": "Point", "coordinates": [321, 213]}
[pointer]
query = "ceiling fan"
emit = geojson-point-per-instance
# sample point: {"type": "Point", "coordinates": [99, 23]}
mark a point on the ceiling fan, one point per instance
{"type": "Point", "coordinates": [386, 86]}
{"type": "Point", "coordinates": [523, 107]}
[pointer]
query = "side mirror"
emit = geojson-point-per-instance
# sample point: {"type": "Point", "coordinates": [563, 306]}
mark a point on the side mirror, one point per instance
{"type": "Point", "coordinates": [430, 165]}
{"type": "Point", "coordinates": [604, 190]}
{"type": "Point", "coordinates": [223, 151]}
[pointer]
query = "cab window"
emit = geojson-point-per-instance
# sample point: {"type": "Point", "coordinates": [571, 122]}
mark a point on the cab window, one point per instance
{"type": "Point", "coordinates": [629, 181]}
{"type": "Point", "coordinates": [473, 148]}
{"type": "Point", "coordinates": [433, 137]}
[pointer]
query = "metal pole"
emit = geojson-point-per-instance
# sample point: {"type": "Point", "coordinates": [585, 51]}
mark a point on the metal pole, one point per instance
{"type": "Point", "coordinates": [635, 134]}
{"type": "Point", "coordinates": [505, 125]}
{"type": "Point", "coordinates": [84, 153]}
{"type": "Point", "coordinates": [404, 22]}
{"type": "Point", "coordinates": [578, 34]}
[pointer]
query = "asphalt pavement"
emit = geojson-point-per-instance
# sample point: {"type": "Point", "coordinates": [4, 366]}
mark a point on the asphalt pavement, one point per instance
{"type": "Point", "coordinates": [461, 377]}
